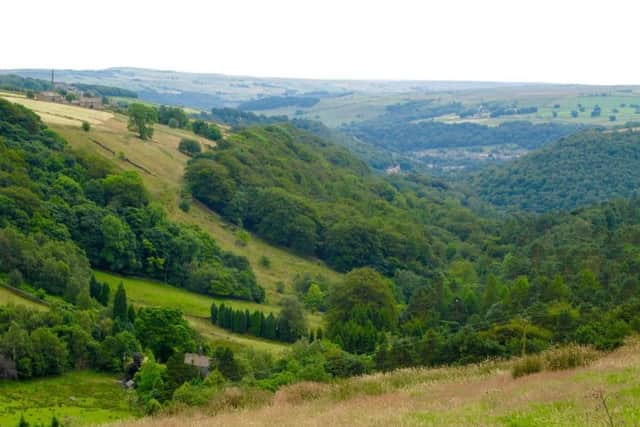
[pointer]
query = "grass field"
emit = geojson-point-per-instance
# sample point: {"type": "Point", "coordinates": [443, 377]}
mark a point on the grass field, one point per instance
{"type": "Point", "coordinates": [196, 307]}
{"type": "Point", "coordinates": [607, 393]}
{"type": "Point", "coordinates": [9, 297]}
{"type": "Point", "coordinates": [75, 398]}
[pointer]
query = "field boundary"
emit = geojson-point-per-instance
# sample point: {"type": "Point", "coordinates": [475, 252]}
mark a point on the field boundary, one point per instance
{"type": "Point", "coordinates": [24, 294]}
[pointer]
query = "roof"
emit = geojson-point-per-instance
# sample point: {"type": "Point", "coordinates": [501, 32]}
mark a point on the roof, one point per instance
{"type": "Point", "coordinates": [196, 360]}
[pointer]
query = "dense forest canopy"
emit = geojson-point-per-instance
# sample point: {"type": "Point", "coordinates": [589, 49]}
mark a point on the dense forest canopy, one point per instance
{"type": "Point", "coordinates": [579, 170]}
{"type": "Point", "coordinates": [314, 197]}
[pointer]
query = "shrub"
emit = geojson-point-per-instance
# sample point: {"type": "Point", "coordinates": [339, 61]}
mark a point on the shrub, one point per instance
{"type": "Point", "coordinates": [193, 395]}
{"type": "Point", "coordinates": [173, 123]}
{"type": "Point", "coordinates": [86, 126]}
{"type": "Point", "coordinates": [572, 356]}
{"type": "Point", "coordinates": [190, 147]}
{"type": "Point", "coordinates": [265, 261]}
{"type": "Point", "coordinates": [242, 238]}
{"type": "Point", "coordinates": [280, 287]}
{"type": "Point", "coordinates": [526, 366]}
{"type": "Point", "coordinates": [185, 205]}
{"type": "Point", "coordinates": [152, 406]}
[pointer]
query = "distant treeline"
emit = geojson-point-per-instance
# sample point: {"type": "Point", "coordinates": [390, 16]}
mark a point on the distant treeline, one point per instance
{"type": "Point", "coordinates": [14, 82]}
{"type": "Point", "coordinates": [106, 90]}
{"type": "Point", "coordinates": [272, 102]}
{"type": "Point", "coordinates": [17, 83]}
{"type": "Point", "coordinates": [412, 136]}
{"type": "Point", "coordinates": [255, 323]}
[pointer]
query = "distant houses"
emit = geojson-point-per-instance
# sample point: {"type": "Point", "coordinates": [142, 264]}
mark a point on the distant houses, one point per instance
{"type": "Point", "coordinates": [50, 96]}
{"type": "Point", "coordinates": [85, 100]}
{"type": "Point", "coordinates": [199, 361]}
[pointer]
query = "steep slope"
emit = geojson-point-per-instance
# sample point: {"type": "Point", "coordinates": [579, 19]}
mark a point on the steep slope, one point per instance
{"type": "Point", "coordinates": [586, 168]}
{"type": "Point", "coordinates": [306, 194]}
{"type": "Point", "coordinates": [161, 167]}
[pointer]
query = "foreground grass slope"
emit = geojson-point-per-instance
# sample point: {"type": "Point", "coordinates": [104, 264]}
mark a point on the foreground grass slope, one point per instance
{"type": "Point", "coordinates": [161, 166]}
{"type": "Point", "coordinates": [76, 398]}
{"type": "Point", "coordinates": [606, 392]}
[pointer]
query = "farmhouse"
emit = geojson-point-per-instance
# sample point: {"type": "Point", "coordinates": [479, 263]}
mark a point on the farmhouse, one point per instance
{"type": "Point", "coordinates": [50, 96]}
{"type": "Point", "coordinates": [93, 102]}
{"type": "Point", "coordinates": [199, 361]}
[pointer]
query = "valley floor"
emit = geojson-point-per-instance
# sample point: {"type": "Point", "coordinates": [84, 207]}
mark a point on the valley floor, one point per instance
{"type": "Point", "coordinates": [605, 393]}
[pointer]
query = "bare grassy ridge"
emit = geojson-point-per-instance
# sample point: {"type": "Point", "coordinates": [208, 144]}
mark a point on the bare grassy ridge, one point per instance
{"type": "Point", "coordinates": [475, 395]}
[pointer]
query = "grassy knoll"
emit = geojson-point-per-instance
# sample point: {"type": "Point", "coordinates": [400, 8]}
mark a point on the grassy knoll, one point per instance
{"type": "Point", "coordinates": [197, 308]}
{"type": "Point", "coordinates": [474, 395]}
{"type": "Point", "coordinates": [76, 398]}
{"type": "Point", "coordinates": [9, 297]}
{"type": "Point", "coordinates": [152, 293]}
{"type": "Point", "coordinates": [162, 170]}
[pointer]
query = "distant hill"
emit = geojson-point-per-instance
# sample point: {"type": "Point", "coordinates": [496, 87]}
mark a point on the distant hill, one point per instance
{"type": "Point", "coordinates": [586, 168]}
{"type": "Point", "coordinates": [208, 90]}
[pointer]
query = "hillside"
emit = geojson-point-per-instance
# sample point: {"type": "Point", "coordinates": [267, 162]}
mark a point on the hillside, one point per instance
{"type": "Point", "coordinates": [605, 393]}
{"type": "Point", "coordinates": [161, 167]}
{"type": "Point", "coordinates": [428, 280]}
{"type": "Point", "coordinates": [579, 170]}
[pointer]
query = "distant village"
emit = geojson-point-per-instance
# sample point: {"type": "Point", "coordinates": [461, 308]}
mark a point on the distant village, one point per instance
{"type": "Point", "coordinates": [64, 93]}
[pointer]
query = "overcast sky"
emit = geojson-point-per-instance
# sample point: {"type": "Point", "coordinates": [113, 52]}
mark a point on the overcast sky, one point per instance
{"type": "Point", "coordinates": [516, 40]}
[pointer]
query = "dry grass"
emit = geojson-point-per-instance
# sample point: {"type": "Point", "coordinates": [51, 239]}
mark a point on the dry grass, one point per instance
{"type": "Point", "coordinates": [475, 395]}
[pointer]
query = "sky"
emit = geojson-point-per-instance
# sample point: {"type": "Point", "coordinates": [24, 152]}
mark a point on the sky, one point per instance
{"type": "Point", "coordinates": [561, 41]}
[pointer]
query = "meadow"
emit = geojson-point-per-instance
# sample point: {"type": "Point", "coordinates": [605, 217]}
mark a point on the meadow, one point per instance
{"type": "Point", "coordinates": [75, 398]}
{"type": "Point", "coordinates": [196, 307]}
{"type": "Point", "coordinates": [602, 394]}
{"type": "Point", "coordinates": [7, 296]}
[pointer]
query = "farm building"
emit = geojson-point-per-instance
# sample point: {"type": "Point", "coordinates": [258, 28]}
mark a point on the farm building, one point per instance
{"type": "Point", "coordinates": [199, 361]}
{"type": "Point", "coordinates": [50, 96]}
{"type": "Point", "coordinates": [93, 102]}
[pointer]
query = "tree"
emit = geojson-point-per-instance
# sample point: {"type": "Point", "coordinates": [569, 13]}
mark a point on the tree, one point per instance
{"type": "Point", "coordinates": [120, 305]}
{"type": "Point", "coordinates": [361, 308]}
{"type": "Point", "coordinates": [291, 322]}
{"type": "Point", "coordinates": [86, 126]}
{"type": "Point", "coordinates": [50, 354]}
{"type": "Point", "coordinates": [314, 298]}
{"type": "Point", "coordinates": [226, 363]}
{"type": "Point", "coordinates": [214, 313]}
{"type": "Point", "coordinates": [164, 331]}
{"type": "Point", "coordinates": [190, 147]}
{"type": "Point", "coordinates": [141, 120]}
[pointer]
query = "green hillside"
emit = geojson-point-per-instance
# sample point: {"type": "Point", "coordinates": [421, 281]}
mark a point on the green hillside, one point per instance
{"type": "Point", "coordinates": [580, 170]}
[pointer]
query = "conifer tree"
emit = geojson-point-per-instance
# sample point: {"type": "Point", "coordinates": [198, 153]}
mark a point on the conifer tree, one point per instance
{"type": "Point", "coordinates": [120, 304]}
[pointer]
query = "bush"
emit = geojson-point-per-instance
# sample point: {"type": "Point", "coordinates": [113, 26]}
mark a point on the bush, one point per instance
{"type": "Point", "coordinates": [572, 356]}
{"type": "Point", "coordinates": [265, 261]}
{"type": "Point", "coordinates": [152, 406]}
{"type": "Point", "coordinates": [242, 238]}
{"type": "Point", "coordinates": [173, 123]}
{"type": "Point", "coordinates": [526, 366]}
{"type": "Point", "coordinates": [190, 147]}
{"type": "Point", "coordinates": [86, 126]}
{"type": "Point", "coordinates": [184, 205]}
